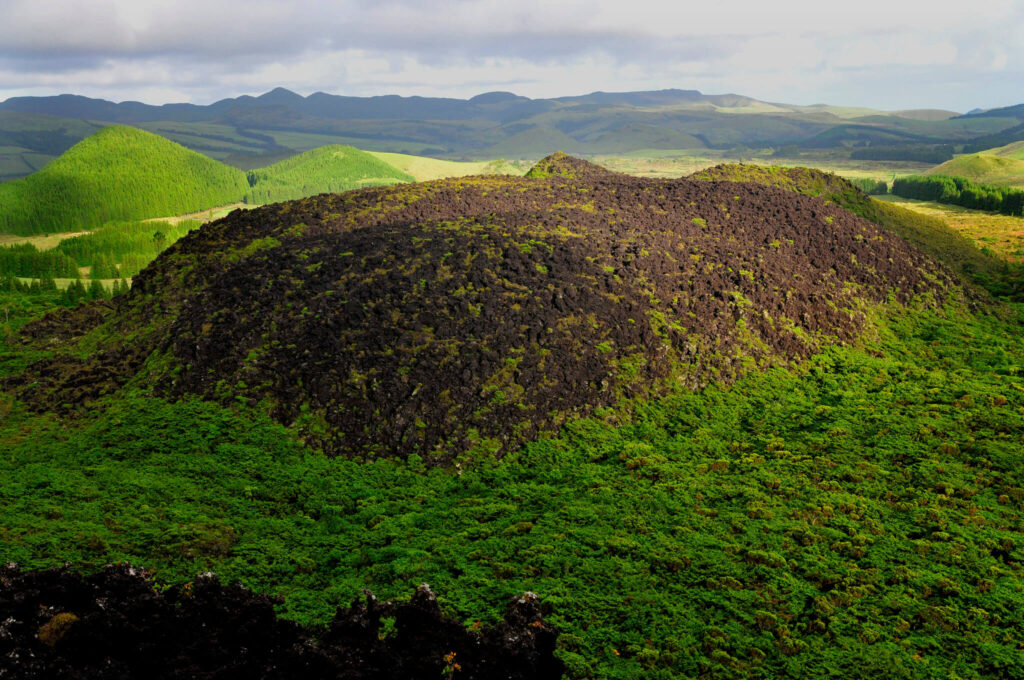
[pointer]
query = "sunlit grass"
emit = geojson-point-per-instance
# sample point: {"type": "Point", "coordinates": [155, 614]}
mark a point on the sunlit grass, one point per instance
{"type": "Point", "coordinates": [1002, 234]}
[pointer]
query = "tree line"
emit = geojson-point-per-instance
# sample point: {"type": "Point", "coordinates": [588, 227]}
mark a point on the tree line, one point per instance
{"type": "Point", "coordinates": [918, 153]}
{"type": "Point", "coordinates": [117, 250]}
{"type": "Point", "coordinates": [961, 191]}
{"type": "Point", "coordinates": [71, 296]}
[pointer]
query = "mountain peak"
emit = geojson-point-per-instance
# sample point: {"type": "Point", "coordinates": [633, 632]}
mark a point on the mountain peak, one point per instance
{"type": "Point", "coordinates": [280, 95]}
{"type": "Point", "coordinates": [496, 97]}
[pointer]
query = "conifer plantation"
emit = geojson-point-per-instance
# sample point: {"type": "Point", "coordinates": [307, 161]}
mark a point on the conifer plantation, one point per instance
{"type": "Point", "coordinates": [116, 250]}
{"type": "Point", "coordinates": [119, 173]}
{"type": "Point", "coordinates": [326, 169]}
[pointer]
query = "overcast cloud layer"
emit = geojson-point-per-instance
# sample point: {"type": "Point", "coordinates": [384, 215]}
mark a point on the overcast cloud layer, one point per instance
{"type": "Point", "coordinates": [889, 54]}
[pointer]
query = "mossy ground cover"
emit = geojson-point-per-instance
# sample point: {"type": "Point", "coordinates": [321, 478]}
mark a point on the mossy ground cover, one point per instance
{"type": "Point", "coordinates": [861, 514]}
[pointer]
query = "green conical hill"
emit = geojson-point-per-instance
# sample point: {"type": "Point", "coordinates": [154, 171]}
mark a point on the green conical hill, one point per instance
{"type": "Point", "coordinates": [328, 169]}
{"type": "Point", "coordinates": [119, 173]}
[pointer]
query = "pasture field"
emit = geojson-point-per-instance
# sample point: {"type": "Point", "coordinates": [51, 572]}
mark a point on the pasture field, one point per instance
{"type": "Point", "coordinates": [424, 168]}
{"type": "Point", "coordinates": [40, 241]}
{"type": "Point", "coordinates": [986, 168]}
{"type": "Point", "coordinates": [665, 164]}
{"type": "Point", "coordinates": [1002, 234]}
{"type": "Point", "coordinates": [207, 215]}
{"type": "Point", "coordinates": [303, 141]}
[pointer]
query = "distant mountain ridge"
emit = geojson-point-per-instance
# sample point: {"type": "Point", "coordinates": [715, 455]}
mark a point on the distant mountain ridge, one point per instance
{"type": "Point", "coordinates": [496, 106]}
{"type": "Point", "coordinates": [250, 131]}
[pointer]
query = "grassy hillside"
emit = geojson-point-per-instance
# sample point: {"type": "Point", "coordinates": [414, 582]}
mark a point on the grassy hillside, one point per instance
{"type": "Point", "coordinates": [986, 168]}
{"type": "Point", "coordinates": [327, 169]}
{"type": "Point", "coordinates": [423, 168]}
{"type": "Point", "coordinates": [119, 173]}
{"type": "Point", "coordinates": [992, 232]}
{"type": "Point", "coordinates": [123, 173]}
{"type": "Point", "coordinates": [1014, 150]}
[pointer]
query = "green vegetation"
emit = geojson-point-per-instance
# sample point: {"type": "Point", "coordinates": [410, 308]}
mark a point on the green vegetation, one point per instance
{"type": "Point", "coordinates": [119, 173]}
{"type": "Point", "coordinates": [918, 153]}
{"type": "Point", "coordinates": [21, 302]}
{"type": "Point", "coordinates": [871, 187]}
{"type": "Point", "coordinates": [117, 250]}
{"type": "Point", "coordinates": [423, 168]}
{"type": "Point", "coordinates": [327, 169]}
{"type": "Point", "coordinates": [30, 141]}
{"type": "Point", "coordinates": [859, 515]}
{"type": "Point", "coordinates": [999, 237]}
{"type": "Point", "coordinates": [858, 511]}
{"type": "Point", "coordinates": [128, 246]}
{"type": "Point", "coordinates": [963, 192]}
{"type": "Point", "coordinates": [988, 167]}
{"type": "Point", "coordinates": [26, 261]}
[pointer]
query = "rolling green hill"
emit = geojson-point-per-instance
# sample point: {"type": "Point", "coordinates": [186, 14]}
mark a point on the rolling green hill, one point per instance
{"type": "Point", "coordinates": [329, 169]}
{"type": "Point", "coordinates": [1004, 166]}
{"type": "Point", "coordinates": [1014, 150]}
{"type": "Point", "coordinates": [118, 173]}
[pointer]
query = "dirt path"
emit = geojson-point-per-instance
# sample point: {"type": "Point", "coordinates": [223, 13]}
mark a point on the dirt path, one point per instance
{"type": "Point", "coordinates": [40, 241]}
{"type": "Point", "coordinates": [205, 215]}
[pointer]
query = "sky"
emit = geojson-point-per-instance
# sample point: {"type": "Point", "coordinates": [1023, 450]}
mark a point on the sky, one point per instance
{"type": "Point", "coordinates": [885, 54]}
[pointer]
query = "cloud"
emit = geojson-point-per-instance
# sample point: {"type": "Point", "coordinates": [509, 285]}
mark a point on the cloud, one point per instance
{"type": "Point", "coordinates": [200, 50]}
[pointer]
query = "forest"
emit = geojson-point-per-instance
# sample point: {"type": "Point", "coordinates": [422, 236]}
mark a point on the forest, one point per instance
{"type": "Point", "coordinates": [118, 173]}
{"type": "Point", "coordinates": [961, 191]}
{"type": "Point", "coordinates": [118, 250]}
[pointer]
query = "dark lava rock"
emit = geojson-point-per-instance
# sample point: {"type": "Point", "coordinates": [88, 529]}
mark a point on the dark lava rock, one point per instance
{"type": "Point", "coordinates": [470, 315]}
{"type": "Point", "coordinates": [560, 164]}
{"type": "Point", "coordinates": [116, 625]}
